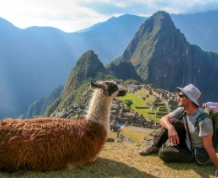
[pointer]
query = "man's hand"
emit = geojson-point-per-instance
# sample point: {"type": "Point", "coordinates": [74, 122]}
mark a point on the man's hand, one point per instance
{"type": "Point", "coordinates": [173, 135]}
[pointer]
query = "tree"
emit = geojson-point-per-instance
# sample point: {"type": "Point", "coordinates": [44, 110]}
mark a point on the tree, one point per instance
{"type": "Point", "coordinates": [128, 103]}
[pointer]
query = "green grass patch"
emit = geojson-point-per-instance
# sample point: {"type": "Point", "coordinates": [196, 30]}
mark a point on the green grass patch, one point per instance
{"type": "Point", "coordinates": [141, 107]}
{"type": "Point", "coordinates": [112, 134]}
{"type": "Point", "coordinates": [161, 113]}
{"type": "Point", "coordinates": [136, 102]}
{"type": "Point", "coordinates": [162, 109]}
{"type": "Point", "coordinates": [139, 102]}
{"type": "Point", "coordinates": [135, 134]}
{"type": "Point", "coordinates": [151, 112]}
{"type": "Point", "coordinates": [112, 111]}
{"type": "Point", "coordinates": [144, 94]}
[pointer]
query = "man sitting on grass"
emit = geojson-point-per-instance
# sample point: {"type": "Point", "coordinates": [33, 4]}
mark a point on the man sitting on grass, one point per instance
{"type": "Point", "coordinates": [175, 129]}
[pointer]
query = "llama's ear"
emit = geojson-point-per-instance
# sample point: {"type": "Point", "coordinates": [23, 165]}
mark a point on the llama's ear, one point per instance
{"type": "Point", "coordinates": [96, 85]}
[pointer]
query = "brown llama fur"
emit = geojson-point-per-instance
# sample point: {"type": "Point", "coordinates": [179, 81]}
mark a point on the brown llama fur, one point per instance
{"type": "Point", "coordinates": [48, 144]}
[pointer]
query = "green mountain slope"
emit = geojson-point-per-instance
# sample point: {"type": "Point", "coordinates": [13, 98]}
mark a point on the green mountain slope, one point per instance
{"type": "Point", "coordinates": [88, 68]}
{"type": "Point", "coordinates": [123, 70]}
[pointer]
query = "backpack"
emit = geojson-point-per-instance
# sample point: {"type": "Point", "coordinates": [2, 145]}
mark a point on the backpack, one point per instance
{"type": "Point", "coordinates": [214, 117]}
{"type": "Point", "coordinates": [201, 155]}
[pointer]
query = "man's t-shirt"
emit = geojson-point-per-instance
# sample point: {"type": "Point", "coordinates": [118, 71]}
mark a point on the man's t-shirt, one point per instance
{"type": "Point", "coordinates": [205, 127]}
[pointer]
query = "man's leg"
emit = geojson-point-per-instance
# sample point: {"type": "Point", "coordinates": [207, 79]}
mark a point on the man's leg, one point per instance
{"type": "Point", "coordinates": [170, 154]}
{"type": "Point", "coordinates": [162, 135]}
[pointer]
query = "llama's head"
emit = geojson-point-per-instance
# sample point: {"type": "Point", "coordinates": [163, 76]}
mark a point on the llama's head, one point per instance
{"type": "Point", "coordinates": [109, 89]}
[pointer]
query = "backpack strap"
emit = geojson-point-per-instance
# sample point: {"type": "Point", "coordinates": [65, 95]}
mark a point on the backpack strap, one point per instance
{"type": "Point", "coordinates": [200, 118]}
{"type": "Point", "coordinates": [189, 135]}
{"type": "Point", "coordinates": [182, 115]}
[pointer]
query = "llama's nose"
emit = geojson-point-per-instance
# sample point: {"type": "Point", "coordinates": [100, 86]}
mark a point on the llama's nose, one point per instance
{"type": "Point", "coordinates": [122, 92]}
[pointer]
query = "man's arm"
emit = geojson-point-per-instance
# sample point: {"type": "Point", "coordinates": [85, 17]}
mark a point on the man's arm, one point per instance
{"type": "Point", "coordinates": [172, 133]}
{"type": "Point", "coordinates": [207, 140]}
{"type": "Point", "coordinates": [165, 120]}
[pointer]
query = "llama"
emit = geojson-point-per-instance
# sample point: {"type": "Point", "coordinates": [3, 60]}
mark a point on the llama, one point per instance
{"type": "Point", "coordinates": [48, 144]}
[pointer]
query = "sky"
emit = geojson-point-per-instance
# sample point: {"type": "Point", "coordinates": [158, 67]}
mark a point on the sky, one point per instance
{"type": "Point", "coordinates": [73, 15]}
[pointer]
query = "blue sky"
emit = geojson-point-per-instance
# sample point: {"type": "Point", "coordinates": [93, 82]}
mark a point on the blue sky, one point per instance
{"type": "Point", "coordinates": [72, 15]}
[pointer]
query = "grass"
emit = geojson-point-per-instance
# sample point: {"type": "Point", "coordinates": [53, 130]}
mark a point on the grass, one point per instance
{"type": "Point", "coordinates": [122, 160]}
{"type": "Point", "coordinates": [134, 133]}
{"type": "Point", "coordinates": [144, 94]}
{"type": "Point", "coordinates": [112, 134]}
{"type": "Point", "coordinates": [137, 101]}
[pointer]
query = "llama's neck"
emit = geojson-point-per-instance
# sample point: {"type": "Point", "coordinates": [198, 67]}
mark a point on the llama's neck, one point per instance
{"type": "Point", "coordinates": [99, 109]}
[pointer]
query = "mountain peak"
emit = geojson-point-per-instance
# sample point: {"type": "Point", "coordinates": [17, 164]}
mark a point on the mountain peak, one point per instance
{"type": "Point", "coordinates": [148, 34]}
{"type": "Point", "coordinates": [161, 14]}
{"type": "Point", "coordinates": [87, 68]}
{"type": "Point", "coordinates": [162, 20]}
{"type": "Point", "coordinates": [89, 65]}
{"type": "Point", "coordinates": [156, 35]}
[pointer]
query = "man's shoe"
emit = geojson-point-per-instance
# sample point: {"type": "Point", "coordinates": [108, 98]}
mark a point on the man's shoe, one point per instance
{"type": "Point", "coordinates": [148, 150]}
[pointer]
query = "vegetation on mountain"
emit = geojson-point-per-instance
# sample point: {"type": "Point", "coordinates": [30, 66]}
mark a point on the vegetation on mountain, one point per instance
{"type": "Point", "coordinates": [52, 107]}
{"type": "Point", "coordinates": [131, 81]}
{"type": "Point", "coordinates": [88, 68]}
{"type": "Point", "coordinates": [124, 70]}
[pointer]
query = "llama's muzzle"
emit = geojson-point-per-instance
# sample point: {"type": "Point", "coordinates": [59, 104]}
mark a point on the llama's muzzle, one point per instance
{"type": "Point", "coordinates": [122, 92]}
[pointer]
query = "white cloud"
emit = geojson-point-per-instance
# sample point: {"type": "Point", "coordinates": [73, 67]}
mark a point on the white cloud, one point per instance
{"type": "Point", "coordinates": [65, 14]}
{"type": "Point", "coordinates": [71, 15]}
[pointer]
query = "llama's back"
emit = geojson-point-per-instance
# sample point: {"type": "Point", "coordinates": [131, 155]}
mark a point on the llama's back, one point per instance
{"type": "Point", "coordinates": [48, 144]}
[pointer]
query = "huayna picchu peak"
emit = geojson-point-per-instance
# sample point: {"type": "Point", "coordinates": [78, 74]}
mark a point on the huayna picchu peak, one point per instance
{"type": "Point", "coordinates": [162, 56]}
